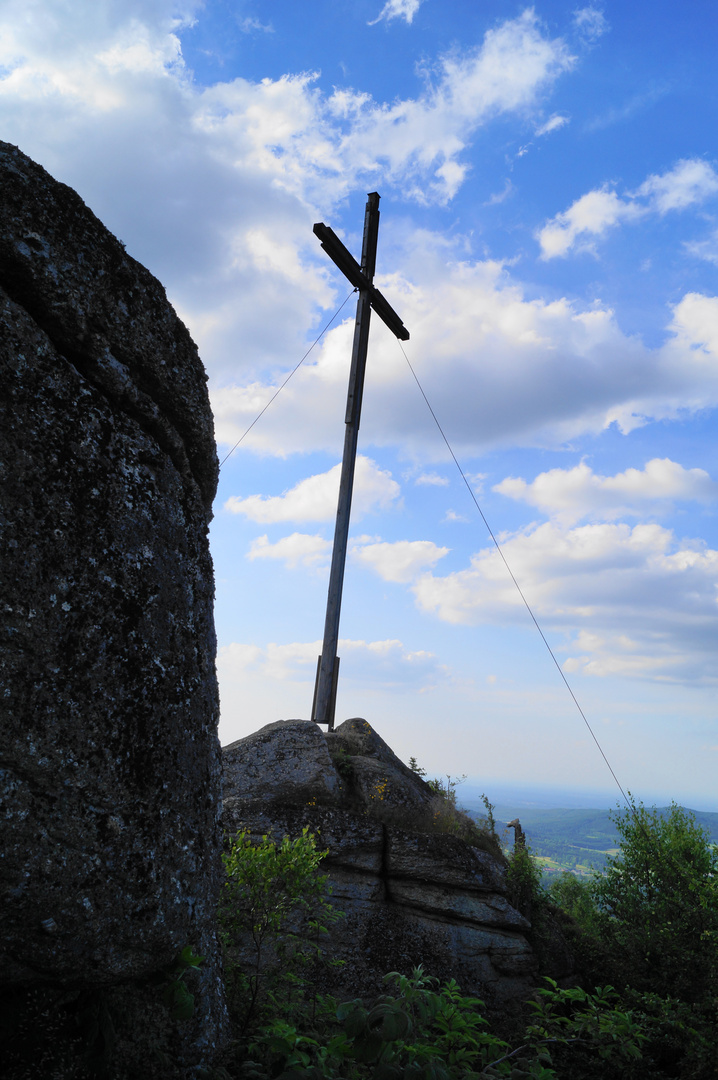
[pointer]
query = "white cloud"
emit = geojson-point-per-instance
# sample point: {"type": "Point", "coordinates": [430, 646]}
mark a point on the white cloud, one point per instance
{"type": "Point", "coordinates": [315, 498]}
{"type": "Point", "coordinates": [476, 480]}
{"type": "Point", "coordinates": [695, 325]}
{"type": "Point", "coordinates": [600, 587]}
{"type": "Point", "coordinates": [401, 561]}
{"type": "Point", "coordinates": [497, 367]}
{"type": "Point", "coordinates": [398, 9]}
{"type": "Point", "coordinates": [501, 196]}
{"type": "Point", "coordinates": [635, 104]}
{"type": "Point", "coordinates": [688, 183]}
{"type": "Point", "coordinates": [431, 479]}
{"type": "Point", "coordinates": [552, 124]}
{"type": "Point", "coordinates": [388, 660]}
{"type": "Point", "coordinates": [412, 140]}
{"type": "Point", "coordinates": [592, 214]}
{"type": "Point", "coordinates": [252, 24]}
{"type": "Point", "coordinates": [572, 494]}
{"type": "Point", "coordinates": [704, 249]}
{"type": "Point", "coordinates": [299, 549]}
{"type": "Point", "coordinates": [590, 23]}
{"type": "Point", "coordinates": [215, 188]}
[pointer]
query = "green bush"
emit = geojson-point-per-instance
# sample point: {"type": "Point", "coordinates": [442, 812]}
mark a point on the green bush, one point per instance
{"type": "Point", "coordinates": [649, 923]}
{"type": "Point", "coordinates": [274, 911]}
{"type": "Point", "coordinates": [422, 1031]}
{"type": "Point", "coordinates": [657, 904]}
{"type": "Point", "coordinates": [651, 917]}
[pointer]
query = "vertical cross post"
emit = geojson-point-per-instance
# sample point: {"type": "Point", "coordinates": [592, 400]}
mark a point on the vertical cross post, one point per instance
{"type": "Point", "coordinates": [326, 684]}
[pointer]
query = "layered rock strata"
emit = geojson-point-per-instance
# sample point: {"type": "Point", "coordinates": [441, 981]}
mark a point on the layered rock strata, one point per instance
{"type": "Point", "coordinates": [410, 896]}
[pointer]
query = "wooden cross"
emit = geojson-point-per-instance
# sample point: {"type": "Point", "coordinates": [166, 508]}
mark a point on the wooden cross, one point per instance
{"type": "Point", "coordinates": [362, 277]}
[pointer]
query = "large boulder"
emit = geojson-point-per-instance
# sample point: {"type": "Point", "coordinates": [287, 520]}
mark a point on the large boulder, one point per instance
{"type": "Point", "coordinates": [111, 765]}
{"type": "Point", "coordinates": [411, 895]}
{"type": "Point", "coordinates": [283, 762]}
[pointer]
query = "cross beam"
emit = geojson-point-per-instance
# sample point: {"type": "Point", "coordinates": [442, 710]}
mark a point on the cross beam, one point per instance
{"type": "Point", "coordinates": [352, 270]}
{"type": "Point", "coordinates": [361, 277]}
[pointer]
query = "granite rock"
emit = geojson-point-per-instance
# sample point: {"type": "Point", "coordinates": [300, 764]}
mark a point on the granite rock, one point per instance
{"type": "Point", "coordinates": [410, 896]}
{"type": "Point", "coordinates": [283, 762]}
{"type": "Point", "coordinates": [110, 758]}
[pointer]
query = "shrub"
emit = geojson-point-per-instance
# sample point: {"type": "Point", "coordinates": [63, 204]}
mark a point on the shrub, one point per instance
{"type": "Point", "coordinates": [649, 923]}
{"type": "Point", "coordinates": [273, 913]}
{"type": "Point", "coordinates": [657, 904]}
{"type": "Point", "coordinates": [421, 1031]}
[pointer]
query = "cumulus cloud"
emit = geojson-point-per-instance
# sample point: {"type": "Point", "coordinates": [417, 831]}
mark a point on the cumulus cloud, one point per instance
{"type": "Point", "coordinates": [695, 326]}
{"type": "Point", "coordinates": [398, 9]}
{"type": "Point", "coordinates": [215, 187]}
{"type": "Point", "coordinates": [299, 549]}
{"type": "Point", "coordinates": [315, 497]}
{"type": "Point", "coordinates": [690, 182]}
{"type": "Point", "coordinates": [401, 561]}
{"type": "Point", "coordinates": [498, 368]}
{"type": "Point", "coordinates": [386, 661]}
{"type": "Point", "coordinates": [599, 587]}
{"type": "Point", "coordinates": [593, 214]}
{"type": "Point", "coordinates": [572, 494]}
{"type": "Point", "coordinates": [423, 137]}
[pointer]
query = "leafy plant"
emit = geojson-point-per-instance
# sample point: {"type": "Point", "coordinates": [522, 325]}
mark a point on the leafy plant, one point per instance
{"type": "Point", "coordinates": [657, 904]}
{"type": "Point", "coordinates": [273, 913]}
{"type": "Point", "coordinates": [341, 759]}
{"type": "Point", "coordinates": [649, 923]}
{"type": "Point", "coordinates": [423, 1031]}
{"type": "Point", "coordinates": [176, 994]}
{"type": "Point", "coordinates": [590, 1035]}
{"type": "Point", "coordinates": [490, 819]}
{"type": "Point", "coordinates": [523, 878]}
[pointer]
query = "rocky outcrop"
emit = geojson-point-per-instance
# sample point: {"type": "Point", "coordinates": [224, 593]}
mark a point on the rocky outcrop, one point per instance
{"type": "Point", "coordinates": [110, 781]}
{"type": "Point", "coordinates": [410, 895]}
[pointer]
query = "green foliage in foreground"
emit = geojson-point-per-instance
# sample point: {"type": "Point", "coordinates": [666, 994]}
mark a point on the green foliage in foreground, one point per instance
{"type": "Point", "coordinates": [649, 924]}
{"type": "Point", "coordinates": [426, 1032]}
{"type": "Point", "coordinates": [658, 904]}
{"type": "Point", "coordinates": [654, 912]}
{"type": "Point", "coordinates": [648, 927]}
{"type": "Point", "coordinates": [273, 914]}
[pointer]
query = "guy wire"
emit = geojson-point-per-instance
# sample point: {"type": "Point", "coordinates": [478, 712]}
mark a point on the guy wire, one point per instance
{"type": "Point", "coordinates": [511, 573]}
{"type": "Point", "coordinates": [277, 392]}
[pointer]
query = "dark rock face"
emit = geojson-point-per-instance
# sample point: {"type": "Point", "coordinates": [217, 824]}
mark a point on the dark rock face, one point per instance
{"type": "Point", "coordinates": [110, 781]}
{"type": "Point", "coordinates": [410, 897]}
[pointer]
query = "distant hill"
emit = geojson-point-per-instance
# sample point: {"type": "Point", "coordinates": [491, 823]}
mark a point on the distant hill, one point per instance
{"type": "Point", "coordinates": [575, 840]}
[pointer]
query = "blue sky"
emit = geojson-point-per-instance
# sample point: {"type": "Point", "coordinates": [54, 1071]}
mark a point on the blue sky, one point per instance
{"type": "Point", "coordinates": [549, 235]}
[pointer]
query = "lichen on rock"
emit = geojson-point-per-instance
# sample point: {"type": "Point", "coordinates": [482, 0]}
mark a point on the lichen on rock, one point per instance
{"type": "Point", "coordinates": [411, 895]}
{"type": "Point", "coordinates": [110, 758]}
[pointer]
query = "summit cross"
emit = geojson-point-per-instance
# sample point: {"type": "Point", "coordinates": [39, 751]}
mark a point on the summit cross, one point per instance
{"type": "Point", "coordinates": [362, 278]}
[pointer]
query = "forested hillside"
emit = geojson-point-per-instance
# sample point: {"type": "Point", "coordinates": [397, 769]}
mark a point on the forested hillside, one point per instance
{"type": "Point", "coordinates": [575, 840]}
